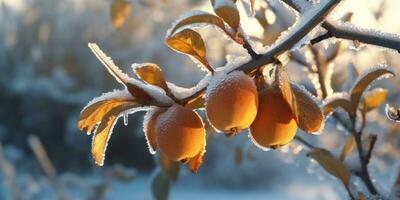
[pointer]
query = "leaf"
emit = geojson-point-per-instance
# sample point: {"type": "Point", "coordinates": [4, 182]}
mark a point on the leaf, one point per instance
{"type": "Point", "coordinates": [104, 130]}
{"type": "Point", "coordinates": [119, 12]}
{"type": "Point", "coordinates": [332, 165]}
{"type": "Point", "coordinates": [282, 81]}
{"type": "Point", "coordinates": [133, 88]}
{"type": "Point", "coordinates": [364, 81]}
{"type": "Point", "coordinates": [149, 124]}
{"type": "Point", "coordinates": [204, 17]}
{"type": "Point", "coordinates": [160, 186]}
{"type": "Point", "coordinates": [348, 147]}
{"type": "Point", "coordinates": [195, 162]}
{"type": "Point", "coordinates": [307, 111]}
{"type": "Point", "coordinates": [252, 3]}
{"type": "Point", "coordinates": [197, 103]}
{"type": "Point", "coordinates": [151, 74]}
{"type": "Point", "coordinates": [361, 196]}
{"type": "Point", "coordinates": [375, 98]}
{"type": "Point", "coordinates": [169, 167]}
{"type": "Point", "coordinates": [338, 100]}
{"type": "Point", "coordinates": [230, 15]}
{"type": "Point", "coordinates": [189, 42]}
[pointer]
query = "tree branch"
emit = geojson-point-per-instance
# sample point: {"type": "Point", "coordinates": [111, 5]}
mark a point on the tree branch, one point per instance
{"type": "Point", "coordinates": [351, 32]}
{"type": "Point", "coordinates": [306, 23]}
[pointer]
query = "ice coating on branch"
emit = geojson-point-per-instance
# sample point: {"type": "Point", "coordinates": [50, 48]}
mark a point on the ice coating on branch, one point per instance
{"type": "Point", "coordinates": [157, 93]}
{"type": "Point", "coordinates": [115, 94]}
{"type": "Point", "coordinates": [300, 23]}
{"type": "Point", "coordinates": [233, 62]}
{"type": "Point", "coordinates": [182, 93]}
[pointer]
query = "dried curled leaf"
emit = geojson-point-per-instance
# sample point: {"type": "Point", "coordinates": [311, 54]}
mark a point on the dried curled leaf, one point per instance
{"type": "Point", "coordinates": [230, 15]}
{"type": "Point", "coordinates": [307, 111]}
{"type": "Point", "coordinates": [338, 100]}
{"type": "Point", "coordinates": [135, 90]}
{"type": "Point", "coordinates": [160, 186]}
{"type": "Point", "coordinates": [170, 168]}
{"type": "Point", "coordinates": [375, 98]}
{"type": "Point", "coordinates": [392, 113]}
{"type": "Point", "coordinates": [189, 42]}
{"type": "Point", "coordinates": [364, 81]}
{"type": "Point", "coordinates": [332, 165]}
{"type": "Point", "coordinates": [151, 74]}
{"type": "Point", "coordinates": [195, 162]}
{"type": "Point", "coordinates": [252, 3]}
{"type": "Point", "coordinates": [348, 147]}
{"type": "Point", "coordinates": [106, 112]}
{"type": "Point", "coordinates": [203, 17]}
{"type": "Point", "coordinates": [119, 12]}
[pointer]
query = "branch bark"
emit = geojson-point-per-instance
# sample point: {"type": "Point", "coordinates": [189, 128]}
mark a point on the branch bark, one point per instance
{"type": "Point", "coordinates": [314, 17]}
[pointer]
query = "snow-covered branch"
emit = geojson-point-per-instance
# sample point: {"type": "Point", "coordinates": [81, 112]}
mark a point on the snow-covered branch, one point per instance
{"type": "Point", "coordinates": [305, 24]}
{"type": "Point", "coordinates": [350, 31]}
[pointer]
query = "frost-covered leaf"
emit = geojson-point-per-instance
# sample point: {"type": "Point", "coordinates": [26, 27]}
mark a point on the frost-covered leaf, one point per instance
{"type": "Point", "coordinates": [132, 85]}
{"type": "Point", "coordinates": [109, 112]}
{"type": "Point", "coordinates": [199, 102]}
{"type": "Point", "coordinates": [375, 98]}
{"type": "Point", "coordinates": [149, 124]}
{"type": "Point", "coordinates": [199, 17]}
{"type": "Point", "coordinates": [332, 165]}
{"type": "Point", "coordinates": [348, 147]}
{"type": "Point", "coordinates": [169, 167]}
{"type": "Point", "coordinates": [282, 81]}
{"type": "Point", "coordinates": [392, 113]}
{"type": "Point", "coordinates": [160, 186]}
{"type": "Point", "coordinates": [365, 80]}
{"type": "Point", "coordinates": [335, 101]}
{"type": "Point", "coordinates": [230, 15]}
{"type": "Point", "coordinates": [189, 42]}
{"type": "Point", "coordinates": [151, 74]}
{"type": "Point", "coordinates": [119, 12]}
{"type": "Point", "coordinates": [195, 162]}
{"type": "Point", "coordinates": [307, 111]}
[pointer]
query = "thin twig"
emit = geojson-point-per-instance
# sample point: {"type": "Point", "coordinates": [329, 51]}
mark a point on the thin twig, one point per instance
{"type": "Point", "coordinates": [304, 142]}
{"type": "Point", "coordinates": [372, 142]}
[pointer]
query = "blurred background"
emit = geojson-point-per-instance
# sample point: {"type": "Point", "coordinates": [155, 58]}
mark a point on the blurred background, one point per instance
{"type": "Point", "coordinates": [47, 75]}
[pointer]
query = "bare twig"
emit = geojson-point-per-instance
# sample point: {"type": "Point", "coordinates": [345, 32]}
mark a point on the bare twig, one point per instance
{"type": "Point", "coordinates": [45, 163]}
{"type": "Point", "coordinates": [372, 142]}
{"type": "Point", "coordinates": [9, 175]}
{"type": "Point", "coordinates": [304, 142]}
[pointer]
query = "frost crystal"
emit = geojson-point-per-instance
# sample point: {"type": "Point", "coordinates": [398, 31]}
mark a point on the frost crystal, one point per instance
{"type": "Point", "coordinates": [115, 94]}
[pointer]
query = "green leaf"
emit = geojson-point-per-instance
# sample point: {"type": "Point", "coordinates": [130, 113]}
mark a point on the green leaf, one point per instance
{"type": "Point", "coordinates": [160, 186]}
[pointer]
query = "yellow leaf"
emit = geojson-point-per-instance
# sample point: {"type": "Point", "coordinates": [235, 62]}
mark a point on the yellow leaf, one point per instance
{"type": "Point", "coordinates": [160, 186]}
{"type": "Point", "coordinates": [149, 125]}
{"type": "Point", "coordinates": [308, 113]}
{"type": "Point", "coordinates": [348, 147]}
{"type": "Point", "coordinates": [189, 42]}
{"type": "Point", "coordinates": [131, 84]}
{"type": "Point", "coordinates": [119, 12]}
{"type": "Point", "coordinates": [334, 102]}
{"type": "Point", "coordinates": [151, 74]}
{"type": "Point", "coordinates": [375, 98]}
{"type": "Point", "coordinates": [364, 81]}
{"type": "Point", "coordinates": [195, 162]}
{"type": "Point", "coordinates": [282, 81]}
{"type": "Point", "coordinates": [104, 130]}
{"type": "Point", "coordinates": [170, 168]}
{"type": "Point", "coordinates": [332, 165]}
{"type": "Point", "coordinates": [252, 2]}
{"type": "Point", "coordinates": [361, 196]}
{"type": "Point", "coordinates": [230, 15]}
{"type": "Point", "coordinates": [198, 19]}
